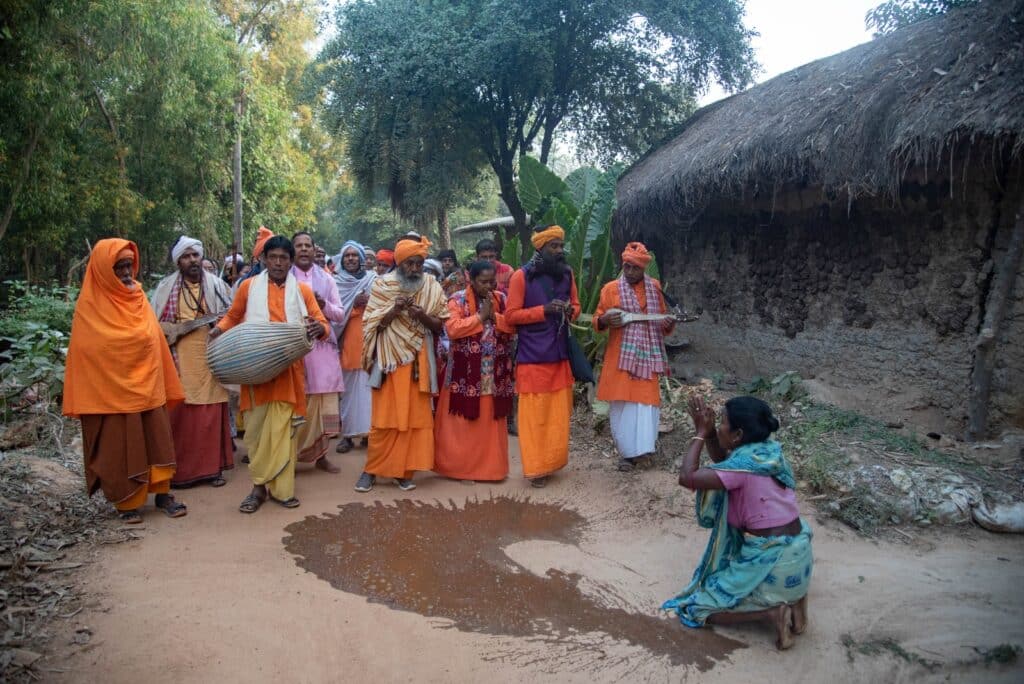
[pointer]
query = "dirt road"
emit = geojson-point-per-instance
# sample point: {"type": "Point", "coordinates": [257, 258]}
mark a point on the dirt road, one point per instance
{"type": "Point", "coordinates": [564, 586]}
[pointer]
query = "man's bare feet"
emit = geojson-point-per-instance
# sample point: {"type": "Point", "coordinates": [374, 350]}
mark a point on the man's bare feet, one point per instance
{"type": "Point", "coordinates": [324, 464]}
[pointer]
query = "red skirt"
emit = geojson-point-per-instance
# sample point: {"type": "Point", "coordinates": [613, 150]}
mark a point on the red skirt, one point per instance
{"type": "Point", "coordinates": [202, 442]}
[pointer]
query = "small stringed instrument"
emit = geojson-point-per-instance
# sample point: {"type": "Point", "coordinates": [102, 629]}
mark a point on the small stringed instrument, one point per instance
{"type": "Point", "coordinates": [175, 331]}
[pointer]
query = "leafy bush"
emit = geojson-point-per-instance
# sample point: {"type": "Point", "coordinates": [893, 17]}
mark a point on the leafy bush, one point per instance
{"type": "Point", "coordinates": [50, 306]}
{"type": "Point", "coordinates": [33, 368]}
{"type": "Point", "coordinates": [34, 332]}
{"type": "Point", "coordinates": [786, 386]}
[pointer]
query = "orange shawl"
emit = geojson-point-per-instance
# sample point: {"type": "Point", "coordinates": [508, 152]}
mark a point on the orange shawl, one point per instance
{"type": "Point", "coordinates": [118, 360]}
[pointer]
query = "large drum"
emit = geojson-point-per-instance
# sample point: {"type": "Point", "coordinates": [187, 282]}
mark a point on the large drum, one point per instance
{"type": "Point", "coordinates": [254, 353]}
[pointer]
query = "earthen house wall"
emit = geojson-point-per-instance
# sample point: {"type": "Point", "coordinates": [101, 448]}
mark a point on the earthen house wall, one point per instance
{"type": "Point", "coordinates": [879, 302]}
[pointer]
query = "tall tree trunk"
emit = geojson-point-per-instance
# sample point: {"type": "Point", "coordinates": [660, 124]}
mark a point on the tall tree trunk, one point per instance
{"type": "Point", "coordinates": [995, 308]}
{"type": "Point", "coordinates": [444, 233]}
{"type": "Point", "coordinates": [236, 174]}
{"type": "Point", "coordinates": [26, 260]}
{"type": "Point", "coordinates": [509, 194]}
{"type": "Point", "coordinates": [26, 166]}
{"type": "Point", "coordinates": [546, 143]}
{"type": "Point", "coordinates": [122, 164]}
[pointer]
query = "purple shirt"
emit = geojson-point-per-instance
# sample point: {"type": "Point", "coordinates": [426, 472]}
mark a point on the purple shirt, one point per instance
{"type": "Point", "coordinates": [323, 363]}
{"type": "Point", "coordinates": [757, 502]}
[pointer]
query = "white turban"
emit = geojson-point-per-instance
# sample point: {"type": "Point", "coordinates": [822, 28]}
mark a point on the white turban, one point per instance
{"type": "Point", "coordinates": [183, 244]}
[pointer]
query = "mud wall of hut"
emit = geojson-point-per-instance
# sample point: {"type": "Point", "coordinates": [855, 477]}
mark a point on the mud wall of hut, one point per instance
{"type": "Point", "coordinates": [879, 303]}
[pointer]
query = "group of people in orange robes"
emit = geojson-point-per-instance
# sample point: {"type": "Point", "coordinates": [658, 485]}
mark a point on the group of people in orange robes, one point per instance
{"type": "Point", "coordinates": [431, 378]}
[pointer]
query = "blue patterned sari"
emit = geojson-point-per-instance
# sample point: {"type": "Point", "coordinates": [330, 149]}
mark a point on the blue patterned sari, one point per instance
{"type": "Point", "coordinates": [739, 572]}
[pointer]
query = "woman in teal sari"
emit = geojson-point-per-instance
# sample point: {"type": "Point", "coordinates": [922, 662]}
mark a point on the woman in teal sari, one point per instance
{"type": "Point", "coordinates": [757, 565]}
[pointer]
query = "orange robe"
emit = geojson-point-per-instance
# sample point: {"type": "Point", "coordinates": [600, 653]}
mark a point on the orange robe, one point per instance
{"type": "Point", "coordinates": [352, 341]}
{"type": "Point", "coordinates": [486, 460]}
{"type": "Point", "coordinates": [289, 386]}
{"type": "Point", "coordinates": [544, 390]}
{"type": "Point", "coordinates": [119, 379]}
{"type": "Point", "coordinates": [402, 424]}
{"type": "Point", "coordinates": [616, 384]}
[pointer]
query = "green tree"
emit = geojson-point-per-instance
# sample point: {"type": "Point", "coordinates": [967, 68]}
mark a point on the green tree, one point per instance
{"type": "Point", "coordinates": [895, 14]}
{"type": "Point", "coordinates": [400, 139]}
{"type": "Point", "coordinates": [510, 75]}
{"type": "Point", "coordinates": [106, 124]}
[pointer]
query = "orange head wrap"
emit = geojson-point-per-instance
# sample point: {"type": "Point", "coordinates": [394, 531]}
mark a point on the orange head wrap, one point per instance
{"type": "Point", "coordinates": [262, 236]}
{"type": "Point", "coordinates": [386, 256]}
{"type": "Point", "coordinates": [545, 236]}
{"type": "Point", "coordinates": [410, 248]}
{"type": "Point", "coordinates": [109, 316]}
{"type": "Point", "coordinates": [636, 254]}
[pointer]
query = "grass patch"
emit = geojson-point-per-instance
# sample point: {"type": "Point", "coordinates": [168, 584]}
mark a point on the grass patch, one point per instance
{"type": "Point", "coordinates": [998, 656]}
{"type": "Point", "coordinates": [1003, 654]}
{"type": "Point", "coordinates": [885, 645]}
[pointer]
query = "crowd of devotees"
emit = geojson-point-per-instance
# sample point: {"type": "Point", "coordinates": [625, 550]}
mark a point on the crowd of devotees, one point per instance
{"type": "Point", "coordinates": [427, 365]}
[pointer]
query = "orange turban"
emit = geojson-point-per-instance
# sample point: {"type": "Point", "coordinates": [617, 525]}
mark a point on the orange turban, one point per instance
{"type": "Point", "coordinates": [118, 360]}
{"type": "Point", "coordinates": [386, 256]}
{"type": "Point", "coordinates": [636, 254]}
{"type": "Point", "coordinates": [547, 235]}
{"type": "Point", "coordinates": [262, 236]}
{"type": "Point", "coordinates": [410, 248]}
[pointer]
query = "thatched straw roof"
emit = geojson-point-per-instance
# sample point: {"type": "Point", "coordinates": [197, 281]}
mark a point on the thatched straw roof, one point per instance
{"type": "Point", "coordinates": [851, 124]}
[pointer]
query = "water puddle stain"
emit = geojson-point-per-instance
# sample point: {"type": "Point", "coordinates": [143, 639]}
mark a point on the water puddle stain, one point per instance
{"type": "Point", "coordinates": [447, 562]}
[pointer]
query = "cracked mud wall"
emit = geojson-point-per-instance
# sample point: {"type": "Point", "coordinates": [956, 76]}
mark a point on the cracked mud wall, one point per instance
{"type": "Point", "coordinates": [879, 303]}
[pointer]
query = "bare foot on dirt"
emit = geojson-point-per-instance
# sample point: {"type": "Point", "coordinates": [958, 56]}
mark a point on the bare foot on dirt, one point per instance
{"type": "Point", "coordinates": [324, 464]}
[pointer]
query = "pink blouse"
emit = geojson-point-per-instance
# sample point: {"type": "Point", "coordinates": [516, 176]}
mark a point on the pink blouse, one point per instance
{"type": "Point", "coordinates": [758, 502]}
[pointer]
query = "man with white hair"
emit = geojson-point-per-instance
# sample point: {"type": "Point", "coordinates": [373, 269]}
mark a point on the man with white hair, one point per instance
{"type": "Point", "coordinates": [187, 303]}
{"type": "Point", "coordinates": [405, 311]}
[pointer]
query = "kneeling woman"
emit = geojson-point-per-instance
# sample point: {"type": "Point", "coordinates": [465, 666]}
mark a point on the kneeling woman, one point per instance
{"type": "Point", "coordinates": [757, 565]}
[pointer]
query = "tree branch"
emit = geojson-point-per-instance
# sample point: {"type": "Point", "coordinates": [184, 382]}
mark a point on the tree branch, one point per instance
{"type": "Point", "coordinates": [26, 165]}
{"type": "Point", "coordinates": [251, 24]}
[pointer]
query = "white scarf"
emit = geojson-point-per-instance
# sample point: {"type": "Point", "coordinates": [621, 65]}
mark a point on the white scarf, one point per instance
{"type": "Point", "coordinates": [256, 309]}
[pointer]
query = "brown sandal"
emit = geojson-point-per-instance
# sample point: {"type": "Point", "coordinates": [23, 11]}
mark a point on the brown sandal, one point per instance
{"type": "Point", "coordinates": [167, 504]}
{"type": "Point", "coordinates": [251, 503]}
{"type": "Point", "coordinates": [132, 517]}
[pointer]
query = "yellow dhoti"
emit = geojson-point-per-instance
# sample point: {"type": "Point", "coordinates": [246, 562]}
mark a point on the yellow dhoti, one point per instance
{"type": "Point", "coordinates": [544, 431]}
{"type": "Point", "coordinates": [268, 437]}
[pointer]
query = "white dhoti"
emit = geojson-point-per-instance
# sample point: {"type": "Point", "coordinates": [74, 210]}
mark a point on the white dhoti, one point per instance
{"type": "Point", "coordinates": [355, 403]}
{"type": "Point", "coordinates": [634, 427]}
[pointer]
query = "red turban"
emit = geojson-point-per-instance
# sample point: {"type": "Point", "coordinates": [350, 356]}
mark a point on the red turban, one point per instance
{"type": "Point", "coordinates": [386, 256]}
{"type": "Point", "coordinates": [410, 248]}
{"type": "Point", "coordinates": [262, 236]}
{"type": "Point", "coordinates": [636, 254]}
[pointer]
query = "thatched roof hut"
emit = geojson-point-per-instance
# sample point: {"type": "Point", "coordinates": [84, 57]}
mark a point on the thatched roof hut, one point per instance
{"type": "Point", "coordinates": [851, 124]}
{"type": "Point", "coordinates": [854, 219]}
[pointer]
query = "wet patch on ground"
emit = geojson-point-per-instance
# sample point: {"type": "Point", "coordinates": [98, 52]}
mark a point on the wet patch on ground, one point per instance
{"type": "Point", "coordinates": [447, 562]}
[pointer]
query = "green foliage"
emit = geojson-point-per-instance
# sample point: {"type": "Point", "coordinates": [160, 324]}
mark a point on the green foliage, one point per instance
{"type": "Point", "coordinates": [34, 330]}
{"type": "Point", "coordinates": [34, 362]}
{"type": "Point", "coordinates": [49, 306]}
{"type": "Point", "coordinates": [785, 386]}
{"type": "Point", "coordinates": [116, 118]}
{"type": "Point", "coordinates": [895, 14]}
{"type": "Point", "coordinates": [507, 76]}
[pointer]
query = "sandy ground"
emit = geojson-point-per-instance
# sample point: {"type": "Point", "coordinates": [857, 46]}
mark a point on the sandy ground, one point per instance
{"type": "Point", "coordinates": [215, 597]}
